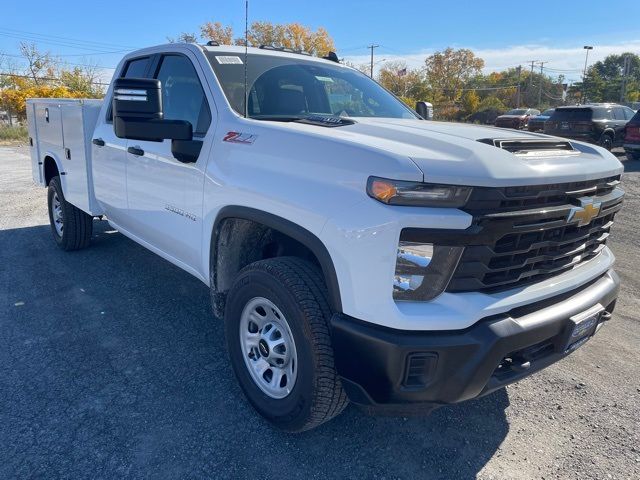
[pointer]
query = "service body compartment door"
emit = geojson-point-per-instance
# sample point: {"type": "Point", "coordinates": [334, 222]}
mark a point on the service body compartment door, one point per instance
{"type": "Point", "coordinates": [34, 146]}
{"type": "Point", "coordinates": [78, 121]}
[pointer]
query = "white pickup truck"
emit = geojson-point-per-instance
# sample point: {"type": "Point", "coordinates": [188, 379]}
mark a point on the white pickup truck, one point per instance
{"type": "Point", "coordinates": [355, 251]}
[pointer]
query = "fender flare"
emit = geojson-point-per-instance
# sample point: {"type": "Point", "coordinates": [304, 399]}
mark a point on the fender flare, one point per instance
{"type": "Point", "coordinates": [295, 231]}
{"type": "Point", "coordinates": [56, 160]}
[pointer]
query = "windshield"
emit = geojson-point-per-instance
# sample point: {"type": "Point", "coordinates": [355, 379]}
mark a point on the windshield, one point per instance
{"type": "Point", "coordinates": [548, 113]}
{"type": "Point", "coordinates": [281, 88]}
{"type": "Point", "coordinates": [517, 111]}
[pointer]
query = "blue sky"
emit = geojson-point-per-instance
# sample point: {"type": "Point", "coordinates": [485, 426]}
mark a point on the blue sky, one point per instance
{"type": "Point", "coordinates": [503, 33]}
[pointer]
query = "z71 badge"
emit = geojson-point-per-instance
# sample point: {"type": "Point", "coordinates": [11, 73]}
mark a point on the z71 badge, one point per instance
{"type": "Point", "coordinates": [238, 137]}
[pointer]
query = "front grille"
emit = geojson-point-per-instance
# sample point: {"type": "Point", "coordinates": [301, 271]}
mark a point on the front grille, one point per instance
{"type": "Point", "coordinates": [522, 235]}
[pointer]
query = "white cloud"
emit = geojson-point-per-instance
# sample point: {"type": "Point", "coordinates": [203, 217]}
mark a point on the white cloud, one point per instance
{"type": "Point", "coordinates": [560, 60]}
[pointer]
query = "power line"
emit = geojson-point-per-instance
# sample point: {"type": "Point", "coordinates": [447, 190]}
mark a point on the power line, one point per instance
{"type": "Point", "coordinates": [21, 57]}
{"type": "Point", "coordinates": [51, 79]}
{"type": "Point", "coordinates": [14, 31]}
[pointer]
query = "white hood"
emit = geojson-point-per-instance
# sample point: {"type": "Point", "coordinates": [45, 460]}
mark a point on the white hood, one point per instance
{"type": "Point", "coordinates": [451, 153]}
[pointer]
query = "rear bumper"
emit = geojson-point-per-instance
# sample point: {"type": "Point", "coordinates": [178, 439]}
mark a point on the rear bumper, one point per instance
{"type": "Point", "coordinates": [582, 137]}
{"type": "Point", "coordinates": [399, 370]}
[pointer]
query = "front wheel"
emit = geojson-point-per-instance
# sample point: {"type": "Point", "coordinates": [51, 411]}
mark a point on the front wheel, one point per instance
{"type": "Point", "coordinates": [277, 333]}
{"type": "Point", "coordinates": [606, 141]}
{"type": "Point", "coordinates": [71, 227]}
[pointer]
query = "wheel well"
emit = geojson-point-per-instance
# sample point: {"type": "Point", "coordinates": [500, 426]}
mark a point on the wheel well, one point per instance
{"type": "Point", "coordinates": [236, 242]}
{"type": "Point", "coordinates": [50, 169]}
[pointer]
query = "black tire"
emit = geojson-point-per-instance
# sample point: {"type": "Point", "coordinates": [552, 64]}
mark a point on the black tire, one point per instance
{"type": "Point", "coordinates": [606, 141]}
{"type": "Point", "coordinates": [298, 290]}
{"type": "Point", "coordinates": [77, 225]}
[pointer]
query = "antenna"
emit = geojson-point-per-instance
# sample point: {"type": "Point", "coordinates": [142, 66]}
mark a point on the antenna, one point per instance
{"type": "Point", "coordinates": [246, 47]}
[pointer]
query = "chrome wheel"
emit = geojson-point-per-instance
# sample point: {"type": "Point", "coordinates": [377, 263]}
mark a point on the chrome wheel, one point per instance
{"type": "Point", "coordinates": [58, 218]}
{"type": "Point", "coordinates": [268, 348]}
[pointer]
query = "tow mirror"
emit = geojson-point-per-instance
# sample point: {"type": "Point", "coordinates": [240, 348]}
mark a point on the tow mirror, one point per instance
{"type": "Point", "coordinates": [137, 112]}
{"type": "Point", "coordinates": [425, 110]}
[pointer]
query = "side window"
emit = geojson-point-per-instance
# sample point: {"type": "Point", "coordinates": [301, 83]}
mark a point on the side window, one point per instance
{"type": "Point", "coordinates": [618, 114]}
{"type": "Point", "coordinates": [182, 95]}
{"type": "Point", "coordinates": [628, 113]}
{"type": "Point", "coordinates": [135, 68]}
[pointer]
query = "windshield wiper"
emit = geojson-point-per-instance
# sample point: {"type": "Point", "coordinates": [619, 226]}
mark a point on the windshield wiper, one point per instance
{"type": "Point", "coordinates": [320, 120]}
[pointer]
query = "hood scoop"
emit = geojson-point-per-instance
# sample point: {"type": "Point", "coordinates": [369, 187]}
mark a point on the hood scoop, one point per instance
{"type": "Point", "coordinates": [529, 147]}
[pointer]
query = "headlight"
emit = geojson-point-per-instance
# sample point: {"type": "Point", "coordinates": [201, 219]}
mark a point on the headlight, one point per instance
{"type": "Point", "coordinates": [398, 192]}
{"type": "Point", "coordinates": [423, 270]}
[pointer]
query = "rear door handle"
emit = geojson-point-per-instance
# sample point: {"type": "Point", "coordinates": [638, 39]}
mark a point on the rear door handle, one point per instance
{"type": "Point", "coordinates": [98, 141]}
{"type": "Point", "coordinates": [137, 151]}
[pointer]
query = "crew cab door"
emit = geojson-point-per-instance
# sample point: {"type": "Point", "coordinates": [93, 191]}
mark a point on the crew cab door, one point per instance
{"type": "Point", "coordinates": [108, 154]}
{"type": "Point", "coordinates": [165, 195]}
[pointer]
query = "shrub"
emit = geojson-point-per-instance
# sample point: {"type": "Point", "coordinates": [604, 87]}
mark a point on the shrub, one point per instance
{"type": "Point", "coordinates": [13, 133]}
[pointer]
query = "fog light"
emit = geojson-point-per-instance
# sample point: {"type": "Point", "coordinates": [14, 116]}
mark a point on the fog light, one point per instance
{"type": "Point", "coordinates": [423, 270]}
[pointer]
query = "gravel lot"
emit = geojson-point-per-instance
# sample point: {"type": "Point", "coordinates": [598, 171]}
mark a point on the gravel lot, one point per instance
{"type": "Point", "coordinates": [113, 366]}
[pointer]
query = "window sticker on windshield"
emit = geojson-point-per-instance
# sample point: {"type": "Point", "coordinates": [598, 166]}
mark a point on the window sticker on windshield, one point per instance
{"type": "Point", "coordinates": [229, 60]}
{"type": "Point", "coordinates": [324, 79]}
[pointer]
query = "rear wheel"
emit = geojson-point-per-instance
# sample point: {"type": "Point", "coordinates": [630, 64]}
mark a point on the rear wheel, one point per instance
{"type": "Point", "coordinates": [606, 141]}
{"type": "Point", "coordinates": [71, 227]}
{"type": "Point", "coordinates": [277, 333]}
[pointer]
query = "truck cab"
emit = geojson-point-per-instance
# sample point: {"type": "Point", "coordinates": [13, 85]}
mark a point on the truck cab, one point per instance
{"type": "Point", "coordinates": [354, 251]}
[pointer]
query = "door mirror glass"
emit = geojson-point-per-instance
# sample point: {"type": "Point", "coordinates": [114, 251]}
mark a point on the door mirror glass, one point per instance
{"type": "Point", "coordinates": [138, 114]}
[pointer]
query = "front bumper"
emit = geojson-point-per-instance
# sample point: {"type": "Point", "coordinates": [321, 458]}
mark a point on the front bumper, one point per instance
{"type": "Point", "coordinates": [398, 370]}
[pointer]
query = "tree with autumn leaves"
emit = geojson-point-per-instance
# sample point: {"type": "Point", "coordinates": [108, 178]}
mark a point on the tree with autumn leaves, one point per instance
{"type": "Point", "coordinates": [44, 76]}
{"type": "Point", "coordinates": [288, 35]}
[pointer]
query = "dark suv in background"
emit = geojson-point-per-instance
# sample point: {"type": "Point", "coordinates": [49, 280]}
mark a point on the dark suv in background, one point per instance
{"type": "Point", "coordinates": [602, 124]}
{"type": "Point", "coordinates": [632, 138]}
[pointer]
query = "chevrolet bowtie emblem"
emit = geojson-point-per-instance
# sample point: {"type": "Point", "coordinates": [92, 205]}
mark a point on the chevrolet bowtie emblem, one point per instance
{"type": "Point", "coordinates": [585, 213]}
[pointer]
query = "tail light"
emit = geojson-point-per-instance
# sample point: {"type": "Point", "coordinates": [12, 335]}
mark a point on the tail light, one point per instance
{"type": "Point", "coordinates": [632, 132]}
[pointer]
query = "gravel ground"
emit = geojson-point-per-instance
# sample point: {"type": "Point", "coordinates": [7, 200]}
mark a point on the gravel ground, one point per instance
{"type": "Point", "coordinates": [113, 366]}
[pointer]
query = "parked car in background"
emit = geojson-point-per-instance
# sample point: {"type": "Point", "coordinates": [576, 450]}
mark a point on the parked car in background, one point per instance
{"type": "Point", "coordinates": [602, 124]}
{"type": "Point", "coordinates": [536, 124]}
{"type": "Point", "coordinates": [517, 118]}
{"type": "Point", "coordinates": [632, 138]}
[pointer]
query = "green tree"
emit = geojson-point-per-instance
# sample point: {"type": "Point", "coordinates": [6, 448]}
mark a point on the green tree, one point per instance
{"type": "Point", "coordinates": [604, 79]}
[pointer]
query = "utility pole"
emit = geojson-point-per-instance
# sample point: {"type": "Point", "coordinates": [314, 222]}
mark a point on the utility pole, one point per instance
{"type": "Point", "coordinates": [518, 97]}
{"type": "Point", "coordinates": [625, 72]}
{"type": "Point", "coordinates": [371, 47]}
{"type": "Point", "coordinates": [540, 88]}
{"type": "Point", "coordinates": [584, 74]}
{"type": "Point", "coordinates": [531, 78]}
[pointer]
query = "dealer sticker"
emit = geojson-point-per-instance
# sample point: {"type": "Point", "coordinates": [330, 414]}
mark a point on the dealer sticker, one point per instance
{"type": "Point", "coordinates": [229, 60]}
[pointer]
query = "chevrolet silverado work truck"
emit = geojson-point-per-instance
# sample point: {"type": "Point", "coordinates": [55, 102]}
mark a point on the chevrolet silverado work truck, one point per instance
{"type": "Point", "coordinates": [355, 251]}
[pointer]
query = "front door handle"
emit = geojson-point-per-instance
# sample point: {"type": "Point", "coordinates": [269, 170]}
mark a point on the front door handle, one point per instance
{"type": "Point", "coordinates": [137, 151]}
{"type": "Point", "coordinates": [98, 141]}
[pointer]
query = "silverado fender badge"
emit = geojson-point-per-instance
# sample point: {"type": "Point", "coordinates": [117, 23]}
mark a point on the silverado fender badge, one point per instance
{"type": "Point", "coordinates": [179, 211]}
{"type": "Point", "coordinates": [238, 137]}
{"type": "Point", "coordinates": [584, 213]}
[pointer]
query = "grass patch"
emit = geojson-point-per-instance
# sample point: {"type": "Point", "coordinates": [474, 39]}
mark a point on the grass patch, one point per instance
{"type": "Point", "coordinates": [15, 133]}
